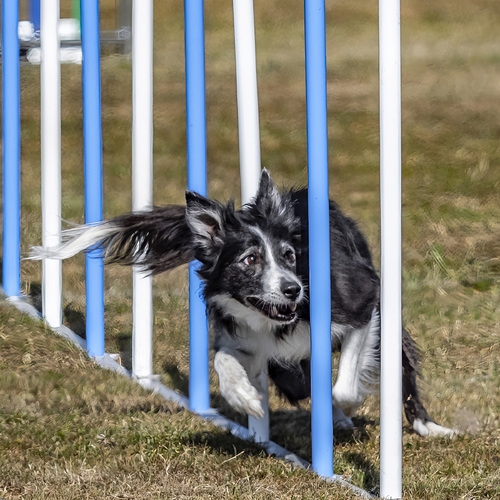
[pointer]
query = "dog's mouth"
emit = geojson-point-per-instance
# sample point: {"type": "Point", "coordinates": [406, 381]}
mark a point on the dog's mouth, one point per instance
{"type": "Point", "coordinates": [284, 313]}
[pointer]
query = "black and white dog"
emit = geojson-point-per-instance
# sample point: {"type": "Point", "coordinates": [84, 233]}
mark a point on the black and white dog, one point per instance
{"type": "Point", "coordinates": [254, 265]}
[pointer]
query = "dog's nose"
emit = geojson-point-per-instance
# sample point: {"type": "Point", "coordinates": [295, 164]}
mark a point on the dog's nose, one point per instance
{"type": "Point", "coordinates": [290, 289]}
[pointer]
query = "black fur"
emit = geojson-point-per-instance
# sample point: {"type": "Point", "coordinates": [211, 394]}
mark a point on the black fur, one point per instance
{"type": "Point", "coordinates": [161, 235]}
{"type": "Point", "coordinates": [354, 282]}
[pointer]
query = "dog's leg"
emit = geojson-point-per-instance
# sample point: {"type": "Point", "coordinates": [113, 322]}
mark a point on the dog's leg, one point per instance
{"type": "Point", "coordinates": [340, 420]}
{"type": "Point", "coordinates": [359, 363]}
{"type": "Point", "coordinates": [346, 394]}
{"type": "Point", "coordinates": [294, 382]}
{"type": "Point", "coordinates": [235, 385]}
{"type": "Point", "coordinates": [414, 409]}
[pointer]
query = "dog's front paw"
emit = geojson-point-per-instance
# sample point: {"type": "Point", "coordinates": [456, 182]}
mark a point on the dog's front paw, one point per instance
{"type": "Point", "coordinates": [340, 421]}
{"type": "Point", "coordinates": [235, 387]}
{"type": "Point", "coordinates": [242, 396]}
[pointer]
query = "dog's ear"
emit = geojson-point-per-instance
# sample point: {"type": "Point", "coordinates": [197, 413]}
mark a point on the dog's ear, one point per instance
{"type": "Point", "coordinates": [267, 190]}
{"type": "Point", "coordinates": [205, 219]}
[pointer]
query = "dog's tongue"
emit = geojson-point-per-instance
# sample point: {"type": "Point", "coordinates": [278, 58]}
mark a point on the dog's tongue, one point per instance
{"type": "Point", "coordinates": [281, 312]}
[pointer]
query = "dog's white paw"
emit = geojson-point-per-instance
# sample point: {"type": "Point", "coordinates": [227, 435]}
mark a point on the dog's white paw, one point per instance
{"type": "Point", "coordinates": [243, 397]}
{"type": "Point", "coordinates": [432, 429]}
{"type": "Point", "coordinates": [348, 401]}
{"type": "Point", "coordinates": [235, 387]}
{"type": "Point", "coordinates": [340, 421]}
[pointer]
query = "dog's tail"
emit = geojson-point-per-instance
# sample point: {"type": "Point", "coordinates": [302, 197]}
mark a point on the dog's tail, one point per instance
{"type": "Point", "coordinates": [157, 240]}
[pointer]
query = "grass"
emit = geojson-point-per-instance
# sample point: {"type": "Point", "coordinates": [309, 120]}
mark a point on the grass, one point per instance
{"type": "Point", "coordinates": [69, 429]}
{"type": "Point", "coordinates": [451, 270]}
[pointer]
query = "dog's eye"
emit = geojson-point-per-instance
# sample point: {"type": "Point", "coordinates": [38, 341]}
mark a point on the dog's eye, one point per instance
{"type": "Point", "coordinates": [250, 260]}
{"type": "Point", "coordinates": [290, 256]}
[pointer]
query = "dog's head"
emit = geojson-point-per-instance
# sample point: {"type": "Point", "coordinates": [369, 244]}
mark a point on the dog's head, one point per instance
{"type": "Point", "coordinates": [248, 256]}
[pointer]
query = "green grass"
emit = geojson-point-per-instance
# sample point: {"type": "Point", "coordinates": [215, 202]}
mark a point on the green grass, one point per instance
{"type": "Point", "coordinates": [451, 267]}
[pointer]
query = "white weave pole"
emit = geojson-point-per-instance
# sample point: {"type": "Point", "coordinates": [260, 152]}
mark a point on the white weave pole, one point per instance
{"type": "Point", "coordinates": [50, 83]}
{"type": "Point", "coordinates": [249, 145]}
{"type": "Point", "coordinates": [142, 177]}
{"type": "Point", "coordinates": [390, 195]}
{"type": "Point", "coordinates": [248, 104]}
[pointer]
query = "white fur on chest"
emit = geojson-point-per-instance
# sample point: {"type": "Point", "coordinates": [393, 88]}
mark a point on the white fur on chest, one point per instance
{"type": "Point", "coordinates": [256, 334]}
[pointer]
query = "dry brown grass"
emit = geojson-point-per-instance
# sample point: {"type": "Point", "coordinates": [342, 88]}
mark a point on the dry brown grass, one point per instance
{"type": "Point", "coordinates": [69, 429]}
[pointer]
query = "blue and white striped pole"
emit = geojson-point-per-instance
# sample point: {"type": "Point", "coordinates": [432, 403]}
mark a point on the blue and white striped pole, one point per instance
{"type": "Point", "coordinates": [319, 239]}
{"type": "Point", "coordinates": [11, 128]}
{"type": "Point", "coordinates": [91, 80]}
{"type": "Point", "coordinates": [199, 397]}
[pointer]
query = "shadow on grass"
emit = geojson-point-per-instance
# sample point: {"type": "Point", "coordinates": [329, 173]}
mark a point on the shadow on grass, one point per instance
{"type": "Point", "coordinates": [292, 430]}
{"type": "Point", "coordinates": [177, 379]}
{"type": "Point", "coordinates": [224, 443]}
{"type": "Point", "coordinates": [35, 294]}
{"type": "Point", "coordinates": [124, 342]}
{"type": "Point", "coordinates": [298, 423]}
{"type": "Point", "coordinates": [75, 320]}
{"type": "Point", "coordinates": [368, 475]}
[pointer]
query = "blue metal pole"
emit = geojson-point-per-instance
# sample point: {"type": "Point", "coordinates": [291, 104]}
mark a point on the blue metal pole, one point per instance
{"type": "Point", "coordinates": [199, 397]}
{"type": "Point", "coordinates": [35, 15]}
{"type": "Point", "coordinates": [11, 128]}
{"type": "Point", "coordinates": [319, 239]}
{"type": "Point", "coordinates": [91, 77]}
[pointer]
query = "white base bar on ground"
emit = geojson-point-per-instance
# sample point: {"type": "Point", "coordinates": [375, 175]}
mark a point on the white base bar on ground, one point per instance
{"type": "Point", "coordinates": [51, 159]}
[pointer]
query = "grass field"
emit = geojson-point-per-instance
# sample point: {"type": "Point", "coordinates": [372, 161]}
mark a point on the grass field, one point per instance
{"type": "Point", "coordinates": [70, 430]}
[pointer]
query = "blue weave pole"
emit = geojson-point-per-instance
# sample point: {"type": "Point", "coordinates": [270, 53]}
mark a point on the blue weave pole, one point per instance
{"type": "Point", "coordinates": [11, 130]}
{"type": "Point", "coordinates": [199, 396]}
{"type": "Point", "coordinates": [319, 239]}
{"type": "Point", "coordinates": [35, 15]}
{"type": "Point", "coordinates": [92, 143]}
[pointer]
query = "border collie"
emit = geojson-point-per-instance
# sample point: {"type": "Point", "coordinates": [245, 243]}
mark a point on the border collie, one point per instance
{"type": "Point", "coordinates": [254, 266]}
